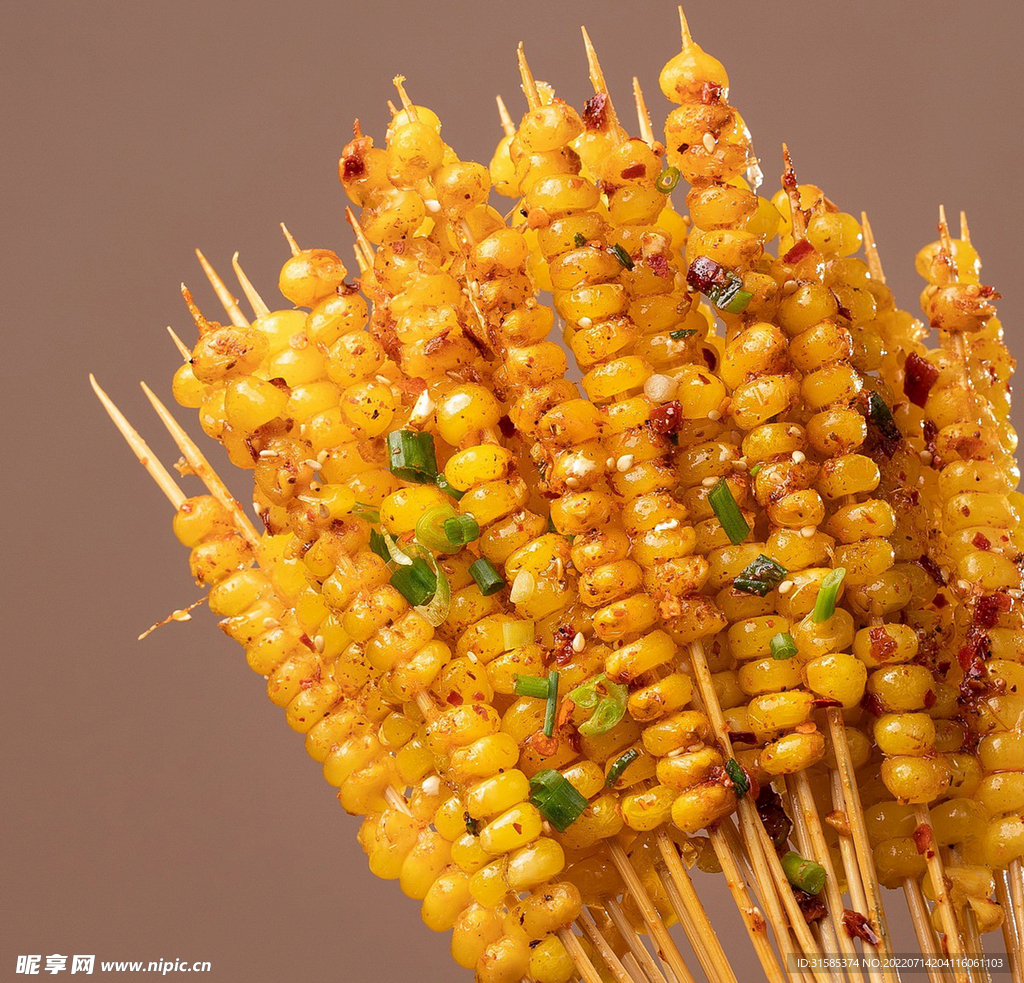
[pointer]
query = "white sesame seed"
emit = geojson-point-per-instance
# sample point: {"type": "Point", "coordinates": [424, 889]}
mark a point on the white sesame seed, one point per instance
{"type": "Point", "coordinates": [926, 457]}
{"type": "Point", "coordinates": [522, 587]}
{"type": "Point", "coordinates": [585, 322]}
{"type": "Point", "coordinates": [383, 380]}
{"type": "Point", "coordinates": [266, 454]}
{"type": "Point", "coordinates": [256, 508]}
{"type": "Point", "coordinates": [572, 481]}
{"type": "Point", "coordinates": [799, 457]}
{"type": "Point", "coordinates": [312, 463]}
{"type": "Point", "coordinates": [473, 657]}
{"type": "Point", "coordinates": [964, 585]}
{"type": "Point", "coordinates": [709, 143]}
{"type": "Point", "coordinates": [785, 587]}
{"type": "Point", "coordinates": [741, 464]}
{"type": "Point", "coordinates": [808, 531]}
{"type": "Point", "coordinates": [624, 463]}
{"type": "Point", "coordinates": [660, 388]}
{"type": "Point", "coordinates": [432, 205]}
{"type": "Point", "coordinates": [423, 407]}
{"type": "Point", "coordinates": [270, 622]}
{"type": "Point", "coordinates": [714, 415]}
{"type": "Point", "coordinates": [666, 525]}
{"type": "Point", "coordinates": [319, 644]}
{"type": "Point", "coordinates": [609, 462]}
{"type": "Point", "coordinates": [709, 482]}
{"type": "Point", "coordinates": [431, 785]}
{"type": "Point", "coordinates": [579, 642]}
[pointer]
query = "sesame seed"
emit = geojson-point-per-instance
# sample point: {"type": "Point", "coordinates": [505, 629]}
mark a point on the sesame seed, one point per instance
{"type": "Point", "coordinates": [709, 143]}
{"type": "Point", "coordinates": [572, 481]}
{"type": "Point", "coordinates": [266, 454]}
{"type": "Point", "coordinates": [319, 644]}
{"type": "Point", "coordinates": [964, 585]}
{"type": "Point", "coordinates": [579, 642]}
{"type": "Point", "coordinates": [270, 622]}
{"type": "Point", "coordinates": [473, 657]}
{"type": "Point", "coordinates": [585, 322]}
{"type": "Point", "coordinates": [808, 531]}
{"type": "Point", "coordinates": [785, 587]}
{"type": "Point", "coordinates": [522, 587]}
{"type": "Point", "coordinates": [741, 464]}
{"type": "Point", "coordinates": [609, 462]}
{"type": "Point", "coordinates": [431, 785]}
{"type": "Point", "coordinates": [709, 482]}
{"type": "Point", "coordinates": [714, 415]}
{"type": "Point", "coordinates": [660, 388]}
{"type": "Point", "coordinates": [789, 287]}
{"type": "Point", "coordinates": [256, 508]}
{"type": "Point", "coordinates": [432, 205]}
{"type": "Point", "coordinates": [423, 407]}
{"type": "Point", "coordinates": [665, 526]}
{"type": "Point", "coordinates": [312, 463]}
{"type": "Point", "coordinates": [926, 457]}
{"type": "Point", "coordinates": [799, 457]}
{"type": "Point", "coordinates": [624, 463]}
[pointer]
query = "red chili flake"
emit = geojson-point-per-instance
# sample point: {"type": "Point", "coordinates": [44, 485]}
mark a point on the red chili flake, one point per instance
{"type": "Point", "coordinates": [507, 427]}
{"type": "Point", "coordinates": [919, 376]}
{"type": "Point", "coordinates": [561, 651]}
{"type": "Point", "coordinates": [930, 431]}
{"type": "Point", "coordinates": [883, 645]}
{"type": "Point", "coordinates": [455, 699]}
{"type": "Point", "coordinates": [841, 308]}
{"type": "Point", "coordinates": [742, 737]}
{"type": "Point", "coordinates": [710, 357]}
{"type": "Point", "coordinates": [825, 701]}
{"type": "Point", "coordinates": [929, 699]}
{"type": "Point", "coordinates": [667, 418]}
{"type": "Point", "coordinates": [595, 111]}
{"type": "Point", "coordinates": [704, 274]}
{"type": "Point", "coordinates": [812, 906]}
{"type": "Point", "coordinates": [858, 927]}
{"type": "Point", "coordinates": [981, 542]}
{"type": "Point", "coordinates": [307, 641]}
{"type": "Point", "coordinates": [517, 827]}
{"type": "Point", "coordinates": [923, 839]}
{"type": "Point", "coordinates": [872, 704]}
{"type": "Point", "coordinates": [639, 169]}
{"type": "Point", "coordinates": [800, 251]}
{"type": "Point", "coordinates": [352, 166]}
{"type": "Point", "coordinates": [398, 247]}
{"type": "Point", "coordinates": [711, 93]}
{"type": "Point", "coordinates": [659, 265]}
{"type": "Point", "coordinates": [931, 568]}
{"type": "Point", "coordinates": [988, 609]}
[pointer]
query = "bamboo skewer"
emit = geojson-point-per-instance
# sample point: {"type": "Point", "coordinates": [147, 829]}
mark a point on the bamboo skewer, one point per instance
{"type": "Point", "coordinates": [923, 929]}
{"type": "Point", "coordinates": [604, 949]}
{"type": "Point", "coordinates": [644, 959]}
{"type": "Point", "coordinates": [507, 125]}
{"type": "Point", "coordinates": [588, 971]}
{"type": "Point", "coordinates": [183, 349]}
{"type": "Point", "coordinates": [1016, 878]}
{"type": "Point", "coordinates": [290, 239]}
{"type": "Point", "coordinates": [597, 78]}
{"type": "Point", "coordinates": [163, 478]}
{"type": "Point", "coordinates": [226, 298]}
{"type": "Point", "coordinates": [529, 82]}
{"type": "Point", "coordinates": [1011, 940]}
{"type": "Point", "coordinates": [256, 302]}
{"type": "Point", "coordinates": [643, 117]}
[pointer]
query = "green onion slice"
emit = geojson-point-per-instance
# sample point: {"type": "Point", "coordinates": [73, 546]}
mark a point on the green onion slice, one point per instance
{"type": "Point", "coordinates": [619, 765]}
{"type": "Point", "coordinates": [431, 531]}
{"type": "Point", "coordinates": [533, 686]}
{"type": "Point", "coordinates": [415, 582]}
{"type": "Point", "coordinates": [740, 782]}
{"type": "Point", "coordinates": [782, 646]}
{"type": "Point", "coordinates": [369, 512]}
{"type": "Point", "coordinates": [728, 512]}
{"type": "Point", "coordinates": [605, 698]}
{"type": "Point", "coordinates": [579, 240]}
{"type": "Point", "coordinates": [681, 333]}
{"type": "Point", "coordinates": [761, 576]}
{"type": "Point", "coordinates": [461, 529]}
{"type": "Point", "coordinates": [881, 416]}
{"type": "Point", "coordinates": [487, 578]}
{"type": "Point", "coordinates": [622, 256]}
{"type": "Point", "coordinates": [667, 180]}
{"type": "Point", "coordinates": [807, 875]}
{"type": "Point", "coordinates": [434, 605]}
{"type": "Point", "coordinates": [757, 467]}
{"type": "Point", "coordinates": [411, 456]}
{"type": "Point", "coordinates": [557, 799]}
{"type": "Point", "coordinates": [448, 488]}
{"type": "Point", "coordinates": [379, 545]}
{"type": "Point", "coordinates": [828, 594]}
{"type": "Point", "coordinates": [551, 711]}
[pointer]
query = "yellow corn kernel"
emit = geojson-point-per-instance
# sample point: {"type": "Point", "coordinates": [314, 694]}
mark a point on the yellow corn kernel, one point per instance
{"type": "Point", "coordinates": [898, 859]}
{"type": "Point", "coordinates": [551, 963]}
{"type": "Point", "coordinates": [447, 897]}
{"type": "Point", "coordinates": [702, 805]}
{"type": "Point", "coordinates": [901, 688]}
{"type": "Point", "coordinates": [837, 676]}
{"type": "Point", "coordinates": [774, 712]}
{"type": "Point", "coordinates": [915, 779]}
{"type": "Point", "coordinates": [496, 794]}
{"type": "Point", "coordinates": [475, 465]}
{"type": "Point", "coordinates": [475, 929]}
{"type": "Point", "coordinates": [792, 753]}
{"type": "Point", "coordinates": [422, 865]}
{"type": "Point", "coordinates": [663, 696]}
{"type": "Point", "coordinates": [401, 510]}
{"type": "Point", "coordinates": [534, 864]}
{"type": "Point", "coordinates": [514, 828]}
{"type": "Point", "coordinates": [678, 730]}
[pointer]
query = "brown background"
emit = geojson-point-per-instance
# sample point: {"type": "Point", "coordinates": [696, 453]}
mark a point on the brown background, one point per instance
{"type": "Point", "coordinates": [154, 802]}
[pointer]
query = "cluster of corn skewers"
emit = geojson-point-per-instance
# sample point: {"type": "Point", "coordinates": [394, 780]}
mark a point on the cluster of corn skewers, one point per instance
{"type": "Point", "coordinates": [746, 597]}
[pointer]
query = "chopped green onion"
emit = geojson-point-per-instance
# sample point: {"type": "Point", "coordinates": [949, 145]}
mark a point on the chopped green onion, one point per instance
{"type": "Point", "coordinates": [487, 578]}
{"type": "Point", "coordinates": [732, 298]}
{"type": "Point", "coordinates": [516, 634]}
{"type": "Point", "coordinates": [881, 416]}
{"type": "Point", "coordinates": [682, 333]}
{"type": "Point", "coordinates": [411, 456]}
{"type": "Point", "coordinates": [552, 707]}
{"type": "Point", "coordinates": [740, 782]}
{"type": "Point", "coordinates": [761, 576]}
{"type": "Point", "coordinates": [431, 531]}
{"type": "Point", "coordinates": [807, 875]}
{"type": "Point", "coordinates": [728, 512]}
{"type": "Point", "coordinates": [757, 467]}
{"type": "Point", "coordinates": [407, 555]}
{"type": "Point", "coordinates": [461, 529]}
{"type": "Point", "coordinates": [622, 256]}
{"type": "Point", "coordinates": [579, 240]}
{"type": "Point", "coordinates": [472, 826]}
{"type": "Point", "coordinates": [557, 799]}
{"type": "Point", "coordinates": [621, 763]}
{"type": "Point", "coordinates": [605, 698]}
{"type": "Point", "coordinates": [379, 545]}
{"type": "Point", "coordinates": [828, 593]}
{"type": "Point", "coordinates": [369, 512]}
{"type": "Point", "coordinates": [782, 646]}
{"type": "Point", "coordinates": [448, 488]}
{"type": "Point", "coordinates": [535, 686]}
{"type": "Point", "coordinates": [415, 582]}
{"type": "Point", "coordinates": [667, 180]}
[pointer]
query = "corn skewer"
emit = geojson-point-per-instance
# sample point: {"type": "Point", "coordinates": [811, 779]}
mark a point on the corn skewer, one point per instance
{"type": "Point", "coordinates": [1010, 939]}
{"type": "Point", "coordinates": [637, 950]}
